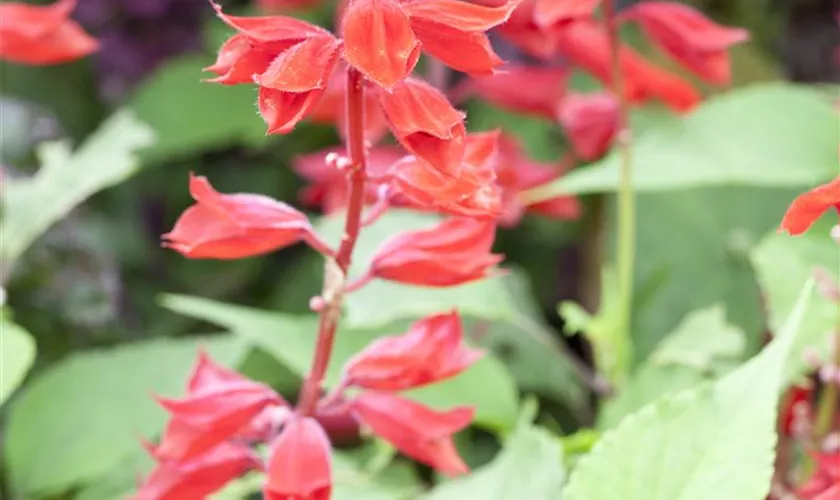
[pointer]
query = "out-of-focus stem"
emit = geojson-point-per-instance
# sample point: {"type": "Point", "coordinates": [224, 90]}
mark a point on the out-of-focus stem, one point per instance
{"type": "Point", "coordinates": [626, 197]}
{"type": "Point", "coordinates": [336, 269]}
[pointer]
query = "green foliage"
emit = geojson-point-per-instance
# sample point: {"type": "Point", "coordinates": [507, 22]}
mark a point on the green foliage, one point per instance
{"type": "Point", "coordinates": [693, 252]}
{"type": "Point", "coordinates": [712, 441]}
{"type": "Point", "coordinates": [740, 138]}
{"type": "Point", "coordinates": [31, 206]}
{"type": "Point", "coordinates": [781, 261]}
{"type": "Point", "coordinates": [529, 466]}
{"type": "Point", "coordinates": [702, 347]}
{"type": "Point", "coordinates": [291, 339]}
{"type": "Point", "coordinates": [81, 417]}
{"type": "Point", "coordinates": [17, 352]}
{"type": "Point", "coordinates": [190, 115]}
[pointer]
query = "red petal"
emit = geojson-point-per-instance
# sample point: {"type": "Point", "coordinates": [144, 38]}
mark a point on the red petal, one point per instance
{"type": "Point", "coordinates": [270, 28]}
{"type": "Point", "coordinates": [299, 465]}
{"type": "Point", "coordinates": [196, 479]}
{"type": "Point", "coordinates": [808, 207]}
{"type": "Point", "coordinates": [832, 493]}
{"type": "Point", "coordinates": [465, 51]}
{"type": "Point", "coordinates": [546, 87]}
{"type": "Point", "coordinates": [416, 430]}
{"type": "Point", "coordinates": [33, 21]}
{"type": "Point", "coordinates": [379, 41]}
{"type": "Point", "coordinates": [241, 58]}
{"type": "Point", "coordinates": [689, 37]}
{"type": "Point", "coordinates": [282, 111]}
{"type": "Point", "coordinates": [591, 121]}
{"type": "Point", "coordinates": [424, 122]}
{"type": "Point", "coordinates": [207, 375]}
{"type": "Point", "coordinates": [461, 16]}
{"type": "Point", "coordinates": [549, 12]}
{"type": "Point", "coordinates": [42, 35]}
{"type": "Point", "coordinates": [305, 67]}
{"type": "Point", "coordinates": [430, 351]}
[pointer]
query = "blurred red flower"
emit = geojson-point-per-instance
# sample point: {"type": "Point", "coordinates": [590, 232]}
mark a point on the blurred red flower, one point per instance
{"type": "Point", "coordinates": [42, 34]}
{"type": "Point", "coordinates": [299, 463]}
{"type": "Point", "coordinates": [808, 207]}
{"type": "Point", "coordinates": [590, 121]}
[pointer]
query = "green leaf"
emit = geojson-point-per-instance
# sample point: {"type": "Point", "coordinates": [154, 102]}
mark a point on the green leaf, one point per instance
{"type": "Point", "coordinates": [190, 115]}
{"type": "Point", "coordinates": [291, 339]}
{"type": "Point", "coordinates": [17, 352]}
{"type": "Point", "coordinates": [702, 347]}
{"type": "Point", "coordinates": [381, 303]}
{"type": "Point", "coordinates": [65, 179]}
{"type": "Point", "coordinates": [781, 261]}
{"type": "Point", "coordinates": [713, 441]}
{"type": "Point", "coordinates": [82, 416]}
{"type": "Point", "coordinates": [693, 252]}
{"type": "Point", "coordinates": [530, 466]}
{"type": "Point", "coordinates": [742, 137]}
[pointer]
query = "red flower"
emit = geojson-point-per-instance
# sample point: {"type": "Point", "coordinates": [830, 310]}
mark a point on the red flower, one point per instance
{"type": "Point", "coordinates": [517, 173]}
{"type": "Point", "coordinates": [473, 194]}
{"type": "Point", "coordinates": [796, 396]}
{"type": "Point", "coordinates": [832, 493]}
{"type": "Point", "coordinates": [234, 226]}
{"type": "Point", "coordinates": [586, 45]}
{"type": "Point", "coordinates": [689, 37]}
{"type": "Point", "coordinates": [299, 465]}
{"type": "Point", "coordinates": [430, 351]}
{"type": "Point", "coordinates": [329, 184]}
{"type": "Point", "coordinates": [415, 430]}
{"type": "Point", "coordinates": [199, 477]}
{"type": "Point", "coordinates": [454, 252]}
{"type": "Point", "coordinates": [591, 122]}
{"type": "Point", "coordinates": [546, 87]}
{"type": "Point", "coordinates": [549, 12]}
{"type": "Point", "coordinates": [38, 35]}
{"type": "Point", "coordinates": [426, 124]}
{"type": "Point", "coordinates": [808, 207]}
{"type": "Point", "coordinates": [383, 38]}
{"type": "Point", "coordinates": [220, 404]}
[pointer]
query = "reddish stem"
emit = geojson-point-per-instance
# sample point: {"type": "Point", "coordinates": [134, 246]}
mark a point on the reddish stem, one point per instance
{"type": "Point", "coordinates": [336, 270]}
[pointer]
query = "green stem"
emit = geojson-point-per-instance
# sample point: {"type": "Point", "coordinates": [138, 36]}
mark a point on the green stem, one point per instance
{"type": "Point", "coordinates": [626, 197]}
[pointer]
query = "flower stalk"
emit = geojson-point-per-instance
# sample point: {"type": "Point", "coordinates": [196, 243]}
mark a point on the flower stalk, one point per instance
{"type": "Point", "coordinates": [625, 259]}
{"type": "Point", "coordinates": [336, 270]}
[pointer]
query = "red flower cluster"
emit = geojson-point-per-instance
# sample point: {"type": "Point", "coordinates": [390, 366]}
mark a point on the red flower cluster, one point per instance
{"type": "Point", "coordinates": [39, 35]}
{"type": "Point", "coordinates": [212, 431]}
{"type": "Point", "coordinates": [808, 207]}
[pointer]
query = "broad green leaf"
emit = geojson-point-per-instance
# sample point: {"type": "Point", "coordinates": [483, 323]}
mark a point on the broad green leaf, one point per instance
{"type": "Point", "coordinates": [380, 303]}
{"type": "Point", "coordinates": [17, 352]}
{"type": "Point", "coordinates": [742, 137]}
{"type": "Point", "coordinates": [713, 441]}
{"type": "Point", "coordinates": [781, 261]}
{"type": "Point", "coordinates": [66, 179]}
{"type": "Point", "coordinates": [530, 466]}
{"type": "Point", "coordinates": [190, 115]}
{"type": "Point", "coordinates": [693, 251]}
{"type": "Point", "coordinates": [291, 339]}
{"type": "Point", "coordinates": [82, 416]}
{"type": "Point", "coordinates": [702, 347]}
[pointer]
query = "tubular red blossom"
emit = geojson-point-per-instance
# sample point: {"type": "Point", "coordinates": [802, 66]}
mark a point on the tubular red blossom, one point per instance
{"type": "Point", "coordinates": [473, 194]}
{"type": "Point", "coordinates": [197, 478]}
{"type": "Point", "coordinates": [517, 173]}
{"type": "Point", "coordinates": [430, 351]}
{"type": "Point", "coordinates": [223, 409]}
{"type": "Point", "coordinates": [299, 464]}
{"type": "Point", "coordinates": [263, 29]}
{"type": "Point", "coordinates": [42, 35]}
{"type": "Point", "coordinates": [424, 122]}
{"type": "Point", "coordinates": [550, 12]}
{"type": "Point", "coordinates": [454, 252]}
{"type": "Point", "coordinates": [591, 122]}
{"type": "Point", "coordinates": [689, 37]}
{"type": "Point", "coordinates": [379, 41]}
{"type": "Point", "coordinates": [240, 58]}
{"type": "Point", "coordinates": [546, 87]}
{"type": "Point", "coordinates": [415, 430]}
{"type": "Point", "coordinates": [653, 82]}
{"type": "Point", "coordinates": [808, 207]}
{"type": "Point", "coordinates": [234, 226]}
